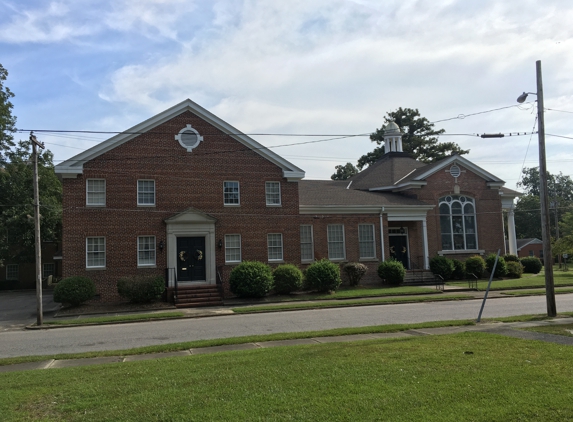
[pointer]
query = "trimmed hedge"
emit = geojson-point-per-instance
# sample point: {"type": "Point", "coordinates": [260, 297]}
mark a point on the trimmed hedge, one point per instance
{"type": "Point", "coordinates": [459, 270]}
{"type": "Point", "coordinates": [74, 290]}
{"type": "Point", "coordinates": [531, 265]}
{"type": "Point", "coordinates": [514, 269]}
{"type": "Point", "coordinates": [288, 278]}
{"type": "Point", "coordinates": [392, 272]}
{"type": "Point", "coordinates": [442, 266]}
{"type": "Point", "coordinates": [141, 289]}
{"type": "Point", "coordinates": [251, 279]}
{"type": "Point", "coordinates": [323, 276]}
{"type": "Point", "coordinates": [500, 268]}
{"type": "Point", "coordinates": [510, 258]}
{"type": "Point", "coordinates": [475, 265]}
{"type": "Point", "coordinates": [355, 271]}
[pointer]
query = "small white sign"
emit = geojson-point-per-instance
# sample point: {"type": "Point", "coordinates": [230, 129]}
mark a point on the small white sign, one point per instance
{"type": "Point", "coordinates": [565, 256]}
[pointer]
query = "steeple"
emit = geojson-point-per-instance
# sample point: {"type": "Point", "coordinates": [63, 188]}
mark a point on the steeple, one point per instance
{"type": "Point", "coordinates": [392, 138]}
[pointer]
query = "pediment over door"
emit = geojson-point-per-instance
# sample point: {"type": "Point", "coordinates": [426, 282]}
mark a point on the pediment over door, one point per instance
{"type": "Point", "coordinates": [191, 216]}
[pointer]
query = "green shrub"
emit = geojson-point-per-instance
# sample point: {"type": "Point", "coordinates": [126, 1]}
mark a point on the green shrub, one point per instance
{"type": "Point", "coordinates": [251, 279]}
{"type": "Point", "coordinates": [355, 271]}
{"type": "Point", "coordinates": [500, 268]}
{"type": "Point", "coordinates": [323, 276]}
{"type": "Point", "coordinates": [459, 270]}
{"type": "Point", "coordinates": [531, 265]}
{"type": "Point", "coordinates": [442, 266]}
{"type": "Point", "coordinates": [74, 290]}
{"type": "Point", "coordinates": [514, 269]}
{"type": "Point", "coordinates": [392, 272]}
{"type": "Point", "coordinates": [141, 289]}
{"type": "Point", "coordinates": [510, 258]}
{"type": "Point", "coordinates": [475, 265]}
{"type": "Point", "coordinates": [288, 278]}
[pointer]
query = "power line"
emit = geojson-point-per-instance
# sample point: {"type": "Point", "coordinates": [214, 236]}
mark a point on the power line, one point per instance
{"type": "Point", "coordinates": [561, 111]}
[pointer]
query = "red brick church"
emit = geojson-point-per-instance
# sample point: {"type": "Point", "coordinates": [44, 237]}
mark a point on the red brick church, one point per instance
{"type": "Point", "coordinates": [186, 195]}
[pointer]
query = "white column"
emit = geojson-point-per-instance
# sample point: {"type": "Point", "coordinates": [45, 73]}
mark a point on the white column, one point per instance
{"type": "Point", "coordinates": [399, 144]}
{"type": "Point", "coordinates": [512, 240]}
{"type": "Point", "coordinates": [386, 146]}
{"type": "Point", "coordinates": [381, 238]}
{"type": "Point", "coordinates": [425, 238]}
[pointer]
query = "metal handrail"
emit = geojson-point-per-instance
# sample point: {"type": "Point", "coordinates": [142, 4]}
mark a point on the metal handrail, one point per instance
{"type": "Point", "coordinates": [472, 284]}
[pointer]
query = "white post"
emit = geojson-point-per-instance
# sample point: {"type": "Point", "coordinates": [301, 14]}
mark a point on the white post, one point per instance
{"type": "Point", "coordinates": [511, 238]}
{"type": "Point", "coordinates": [381, 237]}
{"type": "Point", "coordinates": [425, 238]}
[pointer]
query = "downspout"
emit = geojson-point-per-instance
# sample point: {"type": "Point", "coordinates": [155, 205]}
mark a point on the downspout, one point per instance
{"type": "Point", "coordinates": [381, 236]}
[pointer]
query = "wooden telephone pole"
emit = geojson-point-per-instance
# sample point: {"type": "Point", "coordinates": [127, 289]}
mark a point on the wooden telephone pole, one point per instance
{"type": "Point", "coordinates": [39, 310]}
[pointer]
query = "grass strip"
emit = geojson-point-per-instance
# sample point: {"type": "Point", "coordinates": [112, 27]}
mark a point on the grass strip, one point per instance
{"type": "Point", "coordinates": [391, 328]}
{"type": "Point", "coordinates": [537, 281]}
{"type": "Point", "coordinates": [461, 377]}
{"type": "Point", "coordinates": [346, 303]}
{"type": "Point", "coordinates": [358, 292]}
{"type": "Point", "coordinates": [117, 318]}
{"type": "Point", "coordinates": [535, 292]}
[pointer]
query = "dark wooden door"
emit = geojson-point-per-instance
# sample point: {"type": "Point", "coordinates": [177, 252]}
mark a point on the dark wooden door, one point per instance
{"type": "Point", "coordinates": [191, 259]}
{"type": "Point", "coordinates": [399, 249]}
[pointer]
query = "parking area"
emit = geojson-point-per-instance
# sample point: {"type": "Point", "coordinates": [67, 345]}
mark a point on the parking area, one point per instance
{"type": "Point", "coordinates": [18, 308]}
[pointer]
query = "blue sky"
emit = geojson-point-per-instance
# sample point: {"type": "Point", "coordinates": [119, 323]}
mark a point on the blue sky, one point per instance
{"type": "Point", "coordinates": [296, 67]}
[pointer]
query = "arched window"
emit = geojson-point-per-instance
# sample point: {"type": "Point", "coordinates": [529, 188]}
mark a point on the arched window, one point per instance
{"type": "Point", "coordinates": [458, 223]}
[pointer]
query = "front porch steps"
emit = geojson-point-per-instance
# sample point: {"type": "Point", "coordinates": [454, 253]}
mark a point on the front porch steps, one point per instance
{"type": "Point", "coordinates": [197, 296]}
{"type": "Point", "coordinates": [419, 277]}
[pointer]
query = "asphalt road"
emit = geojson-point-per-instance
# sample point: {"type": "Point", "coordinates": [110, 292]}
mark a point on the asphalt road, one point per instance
{"type": "Point", "coordinates": [125, 336]}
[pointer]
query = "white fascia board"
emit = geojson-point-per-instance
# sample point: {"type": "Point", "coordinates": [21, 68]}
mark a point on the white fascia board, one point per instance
{"type": "Point", "coordinates": [293, 176]}
{"type": "Point", "coordinates": [496, 185]}
{"type": "Point", "coordinates": [465, 163]}
{"type": "Point", "coordinates": [413, 184]}
{"type": "Point", "coordinates": [75, 164]}
{"type": "Point", "coordinates": [340, 209]}
{"type": "Point", "coordinates": [407, 213]}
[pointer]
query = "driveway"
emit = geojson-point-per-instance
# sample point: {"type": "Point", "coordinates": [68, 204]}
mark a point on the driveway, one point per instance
{"type": "Point", "coordinates": [18, 308]}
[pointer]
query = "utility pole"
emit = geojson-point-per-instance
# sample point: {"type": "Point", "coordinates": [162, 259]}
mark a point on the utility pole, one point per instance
{"type": "Point", "coordinates": [544, 195]}
{"type": "Point", "coordinates": [39, 310]}
{"type": "Point", "coordinates": [545, 228]}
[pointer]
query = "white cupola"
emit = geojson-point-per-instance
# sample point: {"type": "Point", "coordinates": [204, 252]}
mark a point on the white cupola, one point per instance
{"type": "Point", "coordinates": [392, 138]}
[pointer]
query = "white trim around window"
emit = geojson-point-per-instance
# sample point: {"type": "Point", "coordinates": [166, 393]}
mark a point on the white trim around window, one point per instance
{"type": "Point", "coordinates": [231, 193]}
{"type": "Point", "coordinates": [146, 251]}
{"type": "Point", "coordinates": [232, 248]}
{"type": "Point", "coordinates": [336, 244]}
{"type": "Point", "coordinates": [273, 194]}
{"type": "Point", "coordinates": [146, 193]}
{"type": "Point", "coordinates": [12, 272]}
{"type": "Point", "coordinates": [366, 241]}
{"type": "Point", "coordinates": [95, 192]}
{"type": "Point", "coordinates": [95, 252]}
{"type": "Point", "coordinates": [306, 243]}
{"type": "Point", "coordinates": [275, 247]}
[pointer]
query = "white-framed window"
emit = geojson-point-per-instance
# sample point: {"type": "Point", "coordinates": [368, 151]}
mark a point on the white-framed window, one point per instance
{"type": "Point", "coordinates": [146, 192]}
{"type": "Point", "coordinates": [306, 243]}
{"type": "Point", "coordinates": [232, 248]}
{"type": "Point", "coordinates": [458, 223]}
{"type": "Point", "coordinates": [145, 251]}
{"type": "Point", "coordinates": [275, 246]}
{"type": "Point", "coordinates": [366, 242]}
{"type": "Point", "coordinates": [95, 252]}
{"type": "Point", "coordinates": [231, 195]}
{"type": "Point", "coordinates": [273, 193]}
{"type": "Point", "coordinates": [335, 235]}
{"type": "Point", "coordinates": [12, 272]}
{"type": "Point", "coordinates": [95, 192]}
{"type": "Point", "coordinates": [48, 269]}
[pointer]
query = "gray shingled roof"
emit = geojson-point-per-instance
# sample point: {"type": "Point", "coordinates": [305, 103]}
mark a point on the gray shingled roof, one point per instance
{"type": "Point", "coordinates": [330, 192]}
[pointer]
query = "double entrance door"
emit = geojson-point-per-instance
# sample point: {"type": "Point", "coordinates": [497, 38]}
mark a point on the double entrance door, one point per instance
{"type": "Point", "coordinates": [191, 259]}
{"type": "Point", "coordinates": [399, 249]}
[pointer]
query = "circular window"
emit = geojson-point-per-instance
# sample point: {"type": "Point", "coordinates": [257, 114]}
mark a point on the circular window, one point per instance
{"type": "Point", "coordinates": [462, 199]}
{"type": "Point", "coordinates": [448, 199]}
{"type": "Point", "coordinates": [455, 171]}
{"type": "Point", "coordinates": [188, 138]}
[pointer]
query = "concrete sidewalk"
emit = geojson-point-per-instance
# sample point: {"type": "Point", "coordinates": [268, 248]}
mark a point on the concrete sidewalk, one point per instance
{"type": "Point", "coordinates": [507, 329]}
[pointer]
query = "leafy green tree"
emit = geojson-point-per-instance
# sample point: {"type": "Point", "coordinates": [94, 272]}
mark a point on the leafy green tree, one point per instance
{"type": "Point", "coordinates": [344, 172]}
{"type": "Point", "coordinates": [528, 217]}
{"type": "Point", "coordinates": [7, 121]}
{"type": "Point", "coordinates": [419, 139]}
{"type": "Point", "coordinates": [559, 186]}
{"type": "Point", "coordinates": [16, 203]}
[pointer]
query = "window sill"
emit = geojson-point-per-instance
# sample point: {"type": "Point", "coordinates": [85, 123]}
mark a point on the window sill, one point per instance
{"type": "Point", "coordinates": [368, 259]}
{"type": "Point", "coordinates": [95, 205]}
{"type": "Point", "coordinates": [146, 205]}
{"type": "Point", "coordinates": [232, 262]}
{"type": "Point", "coordinates": [276, 261]}
{"type": "Point", "coordinates": [95, 268]}
{"type": "Point", "coordinates": [147, 266]}
{"type": "Point", "coordinates": [306, 261]}
{"type": "Point", "coordinates": [274, 205]}
{"type": "Point", "coordinates": [462, 251]}
{"type": "Point", "coordinates": [231, 205]}
{"type": "Point", "coordinates": [337, 259]}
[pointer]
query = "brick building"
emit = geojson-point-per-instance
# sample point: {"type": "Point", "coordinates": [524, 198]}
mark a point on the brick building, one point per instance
{"type": "Point", "coordinates": [187, 195]}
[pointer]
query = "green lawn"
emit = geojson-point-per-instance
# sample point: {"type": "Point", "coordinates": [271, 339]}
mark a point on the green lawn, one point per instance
{"type": "Point", "coordinates": [463, 377]}
{"type": "Point", "coordinates": [346, 303]}
{"type": "Point", "coordinates": [561, 278]}
{"type": "Point", "coordinates": [535, 292]}
{"type": "Point", "coordinates": [561, 330]}
{"type": "Point", "coordinates": [117, 318]}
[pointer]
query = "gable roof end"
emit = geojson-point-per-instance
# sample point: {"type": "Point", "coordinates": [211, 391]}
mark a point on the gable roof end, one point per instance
{"type": "Point", "coordinates": [74, 165]}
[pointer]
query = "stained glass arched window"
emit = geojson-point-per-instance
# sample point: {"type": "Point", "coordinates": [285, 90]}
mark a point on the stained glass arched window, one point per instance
{"type": "Point", "coordinates": [458, 223]}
